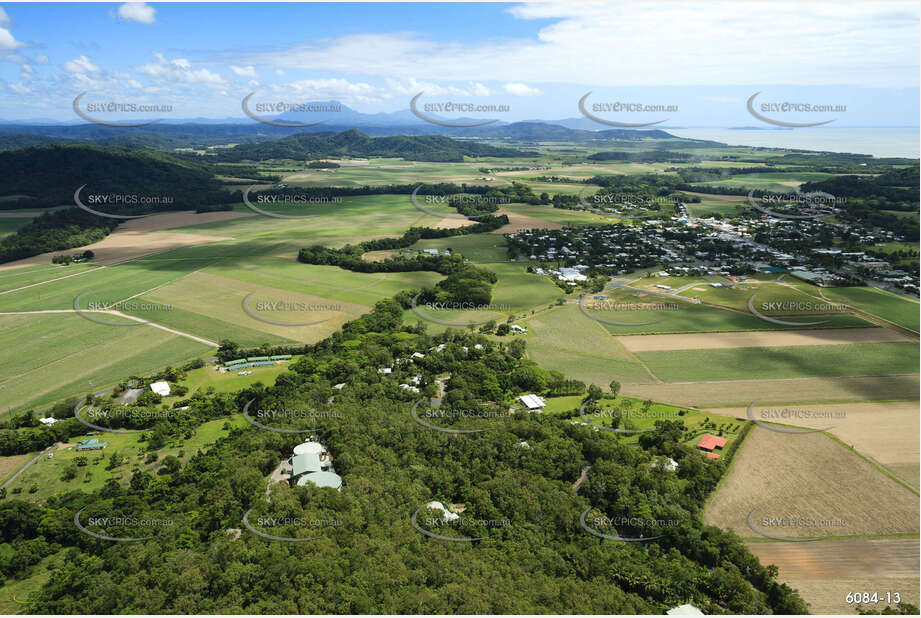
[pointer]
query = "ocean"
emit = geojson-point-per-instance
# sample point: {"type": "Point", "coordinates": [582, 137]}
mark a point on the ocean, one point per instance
{"type": "Point", "coordinates": [885, 142]}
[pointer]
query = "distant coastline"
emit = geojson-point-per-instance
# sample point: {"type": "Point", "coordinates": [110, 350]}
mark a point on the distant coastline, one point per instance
{"type": "Point", "coordinates": [879, 142]}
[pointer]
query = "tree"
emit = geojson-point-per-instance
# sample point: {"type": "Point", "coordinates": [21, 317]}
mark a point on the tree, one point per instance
{"type": "Point", "coordinates": [594, 393]}
{"type": "Point", "coordinates": [70, 472]}
{"type": "Point", "coordinates": [615, 388]}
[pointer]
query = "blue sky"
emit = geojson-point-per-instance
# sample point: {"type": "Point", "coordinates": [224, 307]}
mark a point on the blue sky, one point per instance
{"type": "Point", "coordinates": [539, 59]}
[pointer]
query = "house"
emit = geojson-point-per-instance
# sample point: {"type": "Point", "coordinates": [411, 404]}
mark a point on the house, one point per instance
{"type": "Point", "coordinates": [670, 464]}
{"type": "Point", "coordinates": [339, 386]}
{"type": "Point", "coordinates": [684, 610]}
{"type": "Point", "coordinates": [385, 370]}
{"type": "Point", "coordinates": [48, 420]}
{"type": "Point", "coordinates": [532, 402]}
{"type": "Point", "coordinates": [418, 355]}
{"type": "Point", "coordinates": [322, 479]}
{"type": "Point", "coordinates": [709, 442]}
{"type": "Point", "coordinates": [517, 329]}
{"type": "Point", "coordinates": [90, 444]}
{"type": "Point", "coordinates": [435, 505]}
{"type": "Point", "coordinates": [304, 463]}
{"type": "Point", "coordinates": [161, 388]}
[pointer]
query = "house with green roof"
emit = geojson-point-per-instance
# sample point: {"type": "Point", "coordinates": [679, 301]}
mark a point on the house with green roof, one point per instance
{"type": "Point", "coordinates": [91, 444]}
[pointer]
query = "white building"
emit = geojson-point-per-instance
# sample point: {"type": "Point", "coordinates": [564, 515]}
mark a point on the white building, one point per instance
{"type": "Point", "coordinates": [532, 402]}
{"type": "Point", "coordinates": [48, 420]}
{"type": "Point", "coordinates": [161, 388]}
{"type": "Point", "coordinates": [435, 505]}
{"type": "Point", "coordinates": [684, 610]}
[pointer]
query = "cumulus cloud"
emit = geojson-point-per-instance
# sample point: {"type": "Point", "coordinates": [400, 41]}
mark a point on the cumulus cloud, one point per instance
{"type": "Point", "coordinates": [179, 71]}
{"type": "Point", "coordinates": [7, 41]}
{"type": "Point", "coordinates": [521, 90]}
{"type": "Point", "coordinates": [480, 90]}
{"type": "Point", "coordinates": [81, 65]}
{"type": "Point", "coordinates": [138, 12]}
{"type": "Point", "coordinates": [608, 44]}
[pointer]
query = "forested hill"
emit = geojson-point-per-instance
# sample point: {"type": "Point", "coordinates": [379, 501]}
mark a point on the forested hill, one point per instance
{"type": "Point", "coordinates": [49, 175]}
{"type": "Point", "coordinates": [352, 143]}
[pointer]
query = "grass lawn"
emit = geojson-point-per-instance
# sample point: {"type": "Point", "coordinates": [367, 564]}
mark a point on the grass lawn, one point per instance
{"type": "Point", "coordinates": [200, 380]}
{"type": "Point", "coordinates": [783, 362]}
{"type": "Point", "coordinates": [635, 416]}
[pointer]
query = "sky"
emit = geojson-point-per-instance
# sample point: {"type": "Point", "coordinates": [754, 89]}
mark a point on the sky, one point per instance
{"type": "Point", "coordinates": [538, 59]}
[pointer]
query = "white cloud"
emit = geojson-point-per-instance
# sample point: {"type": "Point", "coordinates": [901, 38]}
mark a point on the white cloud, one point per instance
{"type": "Point", "coordinates": [480, 90]}
{"type": "Point", "coordinates": [4, 19]}
{"type": "Point", "coordinates": [41, 59]}
{"type": "Point", "coordinates": [7, 41]}
{"type": "Point", "coordinates": [81, 65]}
{"type": "Point", "coordinates": [249, 71]}
{"type": "Point", "coordinates": [139, 12]}
{"type": "Point", "coordinates": [521, 90]}
{"type": "Point", "coordinates": [609, 44]}
{"type": "Point", "coordinates": [179, 71]}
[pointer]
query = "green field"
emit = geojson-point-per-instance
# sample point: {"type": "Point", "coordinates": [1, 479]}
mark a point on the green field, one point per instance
{"type": "Point", "coordinates": [677, 316]}
{"type": "Point", "coordinates": [783, 362]}
{"type": "Point", "coordinates": [898, 309]}
{"type": "Point", "coordinates": [13, 278]}
{"type": "Point", "coordinates": [563, 339]}
{"type": "Point", "coordinates": [47, 357]}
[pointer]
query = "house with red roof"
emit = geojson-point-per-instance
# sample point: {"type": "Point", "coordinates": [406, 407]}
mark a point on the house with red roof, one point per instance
{"type": "Point", "coordinates": [709, 442]}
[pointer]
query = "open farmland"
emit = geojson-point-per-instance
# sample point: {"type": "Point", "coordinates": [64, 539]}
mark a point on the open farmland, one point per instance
{"type": "Point", "coordinates": [725, 393]}
{"type": "Point", "coordinates": [563, 339]}
{"type": "Point", "coordinates": [715, 341]}
{"type": "Point", "coordinates": [827, 571]}
{"type": "Point", "coordinates": [898, 309]}
{"type": "Point", "coordinates": [886, 433]}
{"type": "Point", "coordinates": [53, 356]}
{"type": "Point", "coordinates": [212, 305]}
{"type": "Point", "coordinates": [856, 359]}
{"type": "Point", "coordinates": [813, 477]}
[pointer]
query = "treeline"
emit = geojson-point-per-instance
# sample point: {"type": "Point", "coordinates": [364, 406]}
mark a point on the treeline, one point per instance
{"type": "Point", "coordinates": [351, 143]}
{"type": "Point", "coordinates": [55, 231]}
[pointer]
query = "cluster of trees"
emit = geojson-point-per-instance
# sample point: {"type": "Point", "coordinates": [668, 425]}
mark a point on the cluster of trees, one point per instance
{"type": "Point", "coordinates": [648, 156]}
{"type": "Point", "coordinates": [350, 256]}
{"type": "Point", "coordinates": [76, 257]}
{"type": "Point", "coordinates": [322, 165]}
